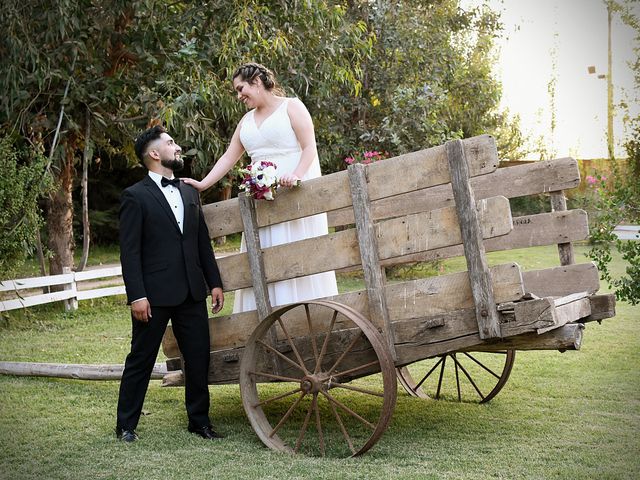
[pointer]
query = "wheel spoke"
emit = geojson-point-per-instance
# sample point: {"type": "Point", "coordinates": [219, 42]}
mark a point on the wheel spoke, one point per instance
{"type": "Point", "coordinates": [314, 346]}
{"type": "Point", "coordinates": [429, 373]}
{"type": "Point", "coordinates": [457, 378]}
{"type": "Point", "coordinates": [284, 357]}
{"type": "Point", "coordinates": [295, 418]}
{"type": "Point", "coordinates": [275, 377]}
{"type": "Point", "coordinates": [483, 366]}
{"type": "Point", "coordinates": [469, 378]}
{"type": "Point", "coordinates": [286, 415]}
{"type": "Point", "coordinates": [303, 430]}
{"type": "Point", "coordinates": [342, 427]}
{"type": "Point", "coordinates": [293, 346]}
{"type": "Point", "coordinates": [356, 389]}
{"type": "Point", "coordinates": [348, 410]}
{"type": "Point", "coordinates": [318, 423]}
{"type": "Point", "coordinates": [325, 343]}
{"type": "Point", "coordinates": [277, 397]}
{"type": "Point", "coordinates": [355, 369]}
{"type": "Point", "coordinates": [444, 361]}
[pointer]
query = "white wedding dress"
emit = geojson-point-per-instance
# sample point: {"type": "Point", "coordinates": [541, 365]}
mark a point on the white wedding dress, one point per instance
{"type": "Point", "coordinates": [275, 141]}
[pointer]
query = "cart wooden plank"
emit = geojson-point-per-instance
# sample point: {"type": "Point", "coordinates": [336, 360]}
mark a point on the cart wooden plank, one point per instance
{"type": "Point", "coordinates": [427, 340]}
{"type": "Point", "coordinates": [419, 170]}
{"type": "Point", "coordinates": [368, 244]}
{"type": "Point", "coordinates": [544, 314]}
{"type": "Point", "coordinates": [563, 280]}
{"type": "Point", "coordinates": [512, 182]}
{"type": "Point", "coordinates": [528, 231]}
{"type": "Point", "coordinates": [431, 230]}
{"type": "Point", "coordinates": [412, 299]}
{"type": "Point", "coordinates": [568, 337]}
{"type": "Point", "coordinates": [481, 285]}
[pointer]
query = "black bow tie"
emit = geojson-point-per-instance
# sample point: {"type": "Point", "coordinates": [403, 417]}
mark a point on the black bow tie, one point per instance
{"type": "Point", "coordinates": [174, 181]}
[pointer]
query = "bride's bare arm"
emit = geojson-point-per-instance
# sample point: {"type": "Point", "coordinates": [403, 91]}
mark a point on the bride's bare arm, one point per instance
{"type": "Point", "coordinates": [303, 127]}
{"type": "Point", "coordinates": [223, 165]}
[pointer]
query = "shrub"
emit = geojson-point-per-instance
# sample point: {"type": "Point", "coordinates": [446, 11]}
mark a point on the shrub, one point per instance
{"type": "Point", "coordinates": [619, 202]}
{"type": "Point", "coordinates": [22, 183]}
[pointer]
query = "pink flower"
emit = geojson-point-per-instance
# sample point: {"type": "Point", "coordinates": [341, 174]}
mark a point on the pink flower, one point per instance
{"type": "Point", "coordinates": [349, 160]}
{"type": "Point", "coordinates": [591, 180]}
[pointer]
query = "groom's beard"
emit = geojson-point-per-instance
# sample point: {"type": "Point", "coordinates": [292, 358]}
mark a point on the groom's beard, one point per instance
{"type": "Point", "coordinates": [174, 164]}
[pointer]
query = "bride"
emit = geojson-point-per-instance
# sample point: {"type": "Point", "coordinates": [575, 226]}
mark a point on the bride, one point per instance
{"type": "Point", "coordinates": [280, 130]}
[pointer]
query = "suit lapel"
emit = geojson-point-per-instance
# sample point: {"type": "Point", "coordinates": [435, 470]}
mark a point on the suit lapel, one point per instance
{"type": "Point", "coordinates": [158, 195]}
{"type": "Point", "coordinates": [185, 207]}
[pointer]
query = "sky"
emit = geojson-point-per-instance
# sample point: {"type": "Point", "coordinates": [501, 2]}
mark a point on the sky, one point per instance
{"type": "Point", "coordinates": [577, 29]}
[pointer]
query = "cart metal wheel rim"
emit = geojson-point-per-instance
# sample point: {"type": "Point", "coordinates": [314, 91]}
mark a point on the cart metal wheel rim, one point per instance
{"type": "Point", "coordinates": [319, 386]}
{"type": "Point", "coordinates": [448, 371]}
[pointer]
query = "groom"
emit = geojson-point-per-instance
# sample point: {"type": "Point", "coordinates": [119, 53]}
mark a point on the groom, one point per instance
{"type": "Point", "coordinates": [169, 269]}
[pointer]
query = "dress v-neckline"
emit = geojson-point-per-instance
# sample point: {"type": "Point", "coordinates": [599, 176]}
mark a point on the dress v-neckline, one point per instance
{"type": "Point", "coordinates": [253, 117]}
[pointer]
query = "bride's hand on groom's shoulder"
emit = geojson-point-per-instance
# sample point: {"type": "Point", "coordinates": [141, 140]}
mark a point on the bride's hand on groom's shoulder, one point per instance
{"type": "Point", "coordinates": [194, 183]}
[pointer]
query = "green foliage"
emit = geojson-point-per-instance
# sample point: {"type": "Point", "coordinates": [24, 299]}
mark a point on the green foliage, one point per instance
{"type": "Point", "coordinates": [22, 182]}
{"type": "Point", "coordinates": [619, 202]}
{"type": "Point", "coordinates": [427, 79]}
{"type": "Point", "coordinates": [390, 76]}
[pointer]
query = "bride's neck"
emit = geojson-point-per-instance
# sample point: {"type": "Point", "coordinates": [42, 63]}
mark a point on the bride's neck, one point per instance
{"type": "Point", "coordinates": [270, 101]}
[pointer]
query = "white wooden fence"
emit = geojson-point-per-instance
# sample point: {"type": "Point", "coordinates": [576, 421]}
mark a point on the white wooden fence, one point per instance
{"type": "Point", "coordinates": [23, 288]}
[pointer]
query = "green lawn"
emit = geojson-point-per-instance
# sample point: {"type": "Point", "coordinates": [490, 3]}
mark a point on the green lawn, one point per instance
{"type": "Point", "coordinates": [570, 415]}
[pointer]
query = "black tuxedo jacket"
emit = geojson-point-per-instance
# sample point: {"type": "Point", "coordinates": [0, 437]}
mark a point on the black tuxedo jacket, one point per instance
{"type": "Point", "coordinates": [158, 261]}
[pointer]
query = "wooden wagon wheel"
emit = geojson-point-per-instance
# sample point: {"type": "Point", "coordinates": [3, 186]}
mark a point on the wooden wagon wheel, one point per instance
{"type": "Point", "coordinates": [321, 346]}
{"type": "Point", "coordinates": [461, 376]}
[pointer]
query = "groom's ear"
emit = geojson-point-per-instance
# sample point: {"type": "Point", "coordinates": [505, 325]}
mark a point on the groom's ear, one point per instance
{"type": "Point", "coordinates": [153, 154]}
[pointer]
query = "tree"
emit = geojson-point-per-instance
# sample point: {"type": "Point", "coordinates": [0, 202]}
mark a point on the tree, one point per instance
{"type": "Point", "coordinates": [428, 79]}
{"type": "Point", "coordinates": [619, 202]}
{"type": "Point", "coordinates": [21, 184]}
{"type": "Point", "coordinates": [118, 66]}
{"type": "Point", "coordinates": [619, 195]}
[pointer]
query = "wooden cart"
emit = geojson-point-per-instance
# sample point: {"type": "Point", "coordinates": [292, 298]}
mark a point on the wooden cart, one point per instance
{"type": "Point", "coordinates": [319, 377]}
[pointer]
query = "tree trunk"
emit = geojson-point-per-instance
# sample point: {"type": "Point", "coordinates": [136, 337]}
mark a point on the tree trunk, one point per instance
{"type": "Point", "coordinates": [86, 229]}
{"type": "Point", "coordinates": [60, 218]}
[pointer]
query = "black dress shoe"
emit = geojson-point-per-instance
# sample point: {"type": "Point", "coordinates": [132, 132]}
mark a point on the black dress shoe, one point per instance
{"type": "Point", "coordinates": [126, 435]}
{"type": "Point", "coordinates": [206, 432]}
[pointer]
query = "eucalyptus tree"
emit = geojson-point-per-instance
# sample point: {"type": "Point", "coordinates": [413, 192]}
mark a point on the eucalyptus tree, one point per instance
{"type": "Point", "coordinates": [84, 74]}
{"type": "Point", "coordinates": [428, 79]}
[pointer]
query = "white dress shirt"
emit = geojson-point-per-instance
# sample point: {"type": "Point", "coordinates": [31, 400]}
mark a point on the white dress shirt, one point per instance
{"type": "Point", "coordinates": [174, 199]}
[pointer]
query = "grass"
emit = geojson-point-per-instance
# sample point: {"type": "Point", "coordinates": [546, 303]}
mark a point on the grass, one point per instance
{"type": "Point", "coordinates": [571, 415]}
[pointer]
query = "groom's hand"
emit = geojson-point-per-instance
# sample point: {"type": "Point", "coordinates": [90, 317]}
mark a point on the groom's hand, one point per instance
{"type": "Point", "coordinates": [217, 300]}
{"type": "Point", "coordinates": [141, 310]}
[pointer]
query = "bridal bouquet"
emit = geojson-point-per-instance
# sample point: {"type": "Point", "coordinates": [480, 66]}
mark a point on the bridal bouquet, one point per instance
{"type": "Point", "coordinates": [259, 180]}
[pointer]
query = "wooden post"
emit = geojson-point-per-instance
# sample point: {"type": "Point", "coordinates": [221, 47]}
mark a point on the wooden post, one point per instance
{"type": "Point", "coordinates": [373, 273]}
{"type": "Point", "coordinates": [254, 253]}
{"type": "Point", "coordinates": [565, 250]}
{"type": "Point", "coordinates": [479, 275]}
{"type": "Point", "coordinates": [70, 304]}
{"type": "Point", "coordinates": [256, 265]}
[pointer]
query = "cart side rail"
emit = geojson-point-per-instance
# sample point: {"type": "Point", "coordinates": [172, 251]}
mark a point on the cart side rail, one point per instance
{"type": "Point", "coordinates": [398, 175]}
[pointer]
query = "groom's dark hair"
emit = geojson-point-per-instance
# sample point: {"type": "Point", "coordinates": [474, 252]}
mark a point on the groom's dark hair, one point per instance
{"type": "Point", "coordinates": [145, 138]}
